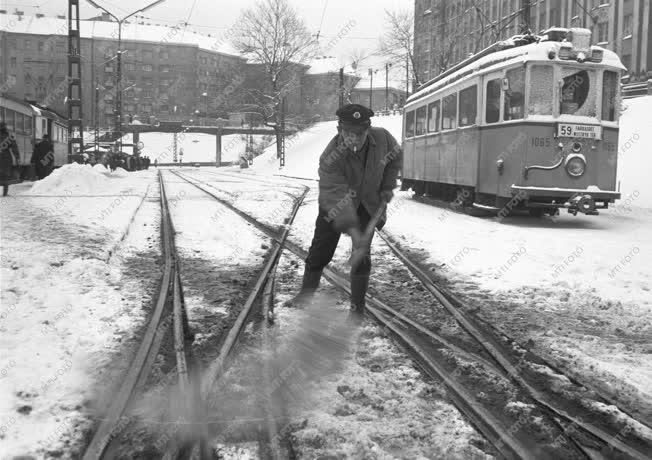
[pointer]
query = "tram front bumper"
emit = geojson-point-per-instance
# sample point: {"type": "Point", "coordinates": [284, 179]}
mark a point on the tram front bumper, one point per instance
{"type": "Point", "coordinates": [575, 200]}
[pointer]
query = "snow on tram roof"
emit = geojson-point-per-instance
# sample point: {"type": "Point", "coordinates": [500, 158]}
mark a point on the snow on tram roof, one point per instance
{"type": "Point", "coordinates": [531, 52]}
{"type": "Point", "coordinates": [136, 30]}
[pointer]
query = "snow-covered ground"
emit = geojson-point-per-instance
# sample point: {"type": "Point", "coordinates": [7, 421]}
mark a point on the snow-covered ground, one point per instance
{"type": "Point", "coordinates": [73, 296]}
{"type": "Point", "coordinates": [578, 287]}
{"type": "Point", "coordinates": [197, 147]}
{"type": "Point", "coordinates": [304, 148]}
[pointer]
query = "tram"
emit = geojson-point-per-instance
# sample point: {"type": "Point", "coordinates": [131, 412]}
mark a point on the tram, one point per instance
{"type": "Point", "coordinates": [528, 123]}
{"type": "Point", "coordinates": [28, 123]}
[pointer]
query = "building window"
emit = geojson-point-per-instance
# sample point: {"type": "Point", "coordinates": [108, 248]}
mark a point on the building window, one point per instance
{"type": "Point", "coordinates": [147, 54]}
{"type": "Point", "coordinates": [28, 44]}
{"type": "Point", "coordinates": [449, 112]}
{"type": "Point", "coordinates": [147, 108]}
{"type": "Point", "coordinates": [148, 93]}
{"type": "Point", "coordinates": [12, 61]}
{"type": "Point", "coordinates": [164, 54]}
{"type": "Point", "coordinates": [147, 67]}
{"type": "Point", "coordinates": [130, 67]}
{"type": "Point", "coordinates": [468, 105]}
{"type": "Point", "coordinates": [627, 26]}
{"type": "Point", "coordinates": [164, 68]}
{"type": "Point", "coordinates": [603, 32]}
{"type": "Point", "coordinates": [40, 46]}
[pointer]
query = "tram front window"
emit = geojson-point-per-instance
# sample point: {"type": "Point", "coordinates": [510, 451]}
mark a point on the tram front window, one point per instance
{"type": "Point", "coordinates": [578, 92]}
{"type": "Point", "coordinates": [515, 94]}
{"type": "Point", "coordinates": [541, 79]}
{"type": "Point", "coordinates": [609, 94]}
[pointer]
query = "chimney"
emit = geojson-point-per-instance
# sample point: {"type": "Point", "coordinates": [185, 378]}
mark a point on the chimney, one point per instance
{"type": "Point", "coordinates": [40, 15]}
{"type": "Point", "coordinates": [19, 14]}
{"type": "Point", "coordinates": [61, 16]}
{"type": "Point", "coordinates": [3, 11]}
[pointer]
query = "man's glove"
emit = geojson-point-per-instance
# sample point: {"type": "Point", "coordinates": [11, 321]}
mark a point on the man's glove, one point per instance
{"type": "Point", "coordinates": [386, 195]}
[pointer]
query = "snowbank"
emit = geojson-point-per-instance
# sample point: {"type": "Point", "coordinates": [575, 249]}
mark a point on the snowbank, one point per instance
{"type": "Point", "coordinates": [634, 159]}
{"type": "Point", "coordinates": [302, 150]}
{"type": "Point", "coordinates": [77, 179]}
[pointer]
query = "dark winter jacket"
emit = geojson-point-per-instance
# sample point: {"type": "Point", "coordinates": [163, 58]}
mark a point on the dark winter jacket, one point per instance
{"type": "Point", "coordinates": [9, 155]}
{"type": "Point", "coordinates": [345, 182]}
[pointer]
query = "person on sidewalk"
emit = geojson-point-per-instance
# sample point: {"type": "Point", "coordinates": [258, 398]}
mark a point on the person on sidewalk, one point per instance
{"type": "Point", "coordinates": [357, 173]}
{"type": "Point", "coordinates": [43, 157]}
{"type": "Point", "coordinates": [9, 157]}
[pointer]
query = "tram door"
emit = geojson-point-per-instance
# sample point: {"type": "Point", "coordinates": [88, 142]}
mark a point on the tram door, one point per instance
{"type": "Point", "coordinates": [492, 137]}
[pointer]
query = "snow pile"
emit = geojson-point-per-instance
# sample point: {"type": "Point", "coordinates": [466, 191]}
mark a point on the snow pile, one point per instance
{"type": "Point", "coordinates": [634, 160]}
{"type": "Point", "coordinates": [119, 172]}
{"type": "Point", "coordinates": [302, 150]}
{"type": "Point", "coordinates": [74, 178]}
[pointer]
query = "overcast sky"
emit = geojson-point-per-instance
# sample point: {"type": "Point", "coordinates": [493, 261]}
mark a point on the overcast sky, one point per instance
{"type": "Point", "coordinates": [215, 16]}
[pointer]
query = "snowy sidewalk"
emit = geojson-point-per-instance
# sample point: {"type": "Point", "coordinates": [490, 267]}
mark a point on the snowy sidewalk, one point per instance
{"type": "Point", "coordinates": [73, 296]}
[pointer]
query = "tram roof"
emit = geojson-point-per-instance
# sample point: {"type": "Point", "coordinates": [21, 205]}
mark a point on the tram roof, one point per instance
{"type": "Point", "coordinates": [505, 57]}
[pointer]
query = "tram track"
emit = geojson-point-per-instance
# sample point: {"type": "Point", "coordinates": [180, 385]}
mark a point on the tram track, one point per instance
{"type": "Point", "coordinates": [584, 438]}
{"type": "Point", "coordinates": [168, 308]}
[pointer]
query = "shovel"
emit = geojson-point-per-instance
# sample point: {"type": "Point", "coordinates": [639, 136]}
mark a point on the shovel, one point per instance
{"type": "Point", "coordinates": [362, 250]}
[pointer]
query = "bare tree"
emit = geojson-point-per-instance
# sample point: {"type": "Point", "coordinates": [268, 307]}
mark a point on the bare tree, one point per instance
{"type": "Point", "coordinates": [398, 41]}
{"type": "Point", "coordinates": [272, 35]}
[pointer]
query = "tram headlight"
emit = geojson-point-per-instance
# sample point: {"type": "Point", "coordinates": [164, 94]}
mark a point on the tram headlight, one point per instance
{"type": "Point", "coordinates": [577, 147]}
{"type": "Point", "coordinates": [575, 165]}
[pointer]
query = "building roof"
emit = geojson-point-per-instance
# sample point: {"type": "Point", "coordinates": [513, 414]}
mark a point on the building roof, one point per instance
{"type": "Point", "coordinates": [326, 64]}
{"type": "Point", "coordinates": [137, 30]}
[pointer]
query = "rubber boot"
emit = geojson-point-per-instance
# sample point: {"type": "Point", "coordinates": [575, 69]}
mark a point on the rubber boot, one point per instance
{"type": "Point", "coordinates": [359, 285]}
{"type": "Point", "coordinates": [309, 285]}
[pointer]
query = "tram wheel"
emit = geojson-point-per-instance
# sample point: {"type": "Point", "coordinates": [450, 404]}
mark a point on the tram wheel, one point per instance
{"type": "Point", "coordinates": [537, 212]}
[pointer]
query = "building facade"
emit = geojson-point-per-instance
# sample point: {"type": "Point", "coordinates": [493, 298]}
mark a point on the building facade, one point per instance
{"type": "Point", "coordinates": [378, 97]}
{"type": "Point", "coordinates": [448, 31]}
{"type": "Point", "coordinates": [321, 93]}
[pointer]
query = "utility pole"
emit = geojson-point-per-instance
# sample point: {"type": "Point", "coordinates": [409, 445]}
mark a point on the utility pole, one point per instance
{"type": "Point", "coordinates": [371, 86]}
{"type": "Point", "coordinates": [75, 118]}
{"type": "Point", "coordinates": [387, 66]}
{"type": "Point", "coordinates": [407, 75]}
{"type": "Point", "coordinates": [341, 87]}
{"type": "Point", "coordinates": [118, 99]}
{"type": "Point", "coordinates": [97, 118]}
{"type": "Point", "coordinates": [282, 136]}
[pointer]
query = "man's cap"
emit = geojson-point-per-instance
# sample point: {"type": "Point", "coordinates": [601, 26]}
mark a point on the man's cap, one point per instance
{"type": "Point", "coordinates": [355, 114]}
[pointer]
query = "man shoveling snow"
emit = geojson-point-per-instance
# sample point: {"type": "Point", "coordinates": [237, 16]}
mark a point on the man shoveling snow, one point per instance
{"type": "Point", "coordinates": [357, 173]}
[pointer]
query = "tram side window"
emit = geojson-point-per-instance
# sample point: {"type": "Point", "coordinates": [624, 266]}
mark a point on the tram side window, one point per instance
{"type": "Point", "coordinates": [468, 105]}
{"type": "Point", "coordinates": [515, 94]}
{"type": "Point", "coordinates": [449, 112]}
{"type": "Point", "coordinates": [493, 101]}
{"type": "Point", "coordinates": [421, 121]}
{"type": "Point", "coordinates": [609, 87]}
{"type": "Point", "coordinates": [541, 79]}
{"type": "Point", "coordinates": [20, 126]}
{"type": "Point", "coordinates": [28, 125]}
{"type": "Point", "coordinates": [409, 124]}
{"type": "Point", "coordinates": [10, 120]}
{"type": "Point", "coordinates": [433, 117]}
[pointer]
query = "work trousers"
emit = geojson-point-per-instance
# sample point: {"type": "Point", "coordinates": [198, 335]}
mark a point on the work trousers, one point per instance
{"type": "Point", "coordinates": [325, 240]}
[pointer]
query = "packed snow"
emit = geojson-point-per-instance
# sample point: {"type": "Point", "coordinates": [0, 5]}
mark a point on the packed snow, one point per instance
{"type": "Point", "coordinates": [71, 302]}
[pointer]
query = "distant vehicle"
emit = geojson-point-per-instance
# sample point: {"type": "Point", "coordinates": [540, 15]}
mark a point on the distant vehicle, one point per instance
{"type": "Point", "coordinates": [29, 123]}
{"type": "Point", "coordinates": [528, 123]}
{"type": "Point", "coordinates": [196, 165]}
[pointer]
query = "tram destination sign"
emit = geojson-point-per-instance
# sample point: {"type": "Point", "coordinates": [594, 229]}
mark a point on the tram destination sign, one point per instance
{"type": "Point", "coordinates": [579, 130]}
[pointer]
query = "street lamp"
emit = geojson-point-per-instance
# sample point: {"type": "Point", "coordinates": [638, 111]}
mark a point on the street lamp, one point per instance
{"type": "Point", "coordinates": [371, 85]}
{"type": "Point", "coordinates": [118, 99]}
{"type": "Point", "coordinates": [387, 66]}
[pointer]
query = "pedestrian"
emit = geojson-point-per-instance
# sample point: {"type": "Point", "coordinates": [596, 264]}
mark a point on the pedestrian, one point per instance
{"type": "Point", "coordinates": [43, 157]}
{"type": "Point", "coordinates": [357, 173]}
{"type": "Point", "coordinates": [9, 157]}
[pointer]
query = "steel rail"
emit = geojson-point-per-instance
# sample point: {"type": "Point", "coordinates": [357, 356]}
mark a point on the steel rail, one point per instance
{"type": "Point", "coordinates": [504, 361]}
{"type": "Point", "coordinates": [502, 439]}
{"type": "Point", "coordinates": [114, 421]}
